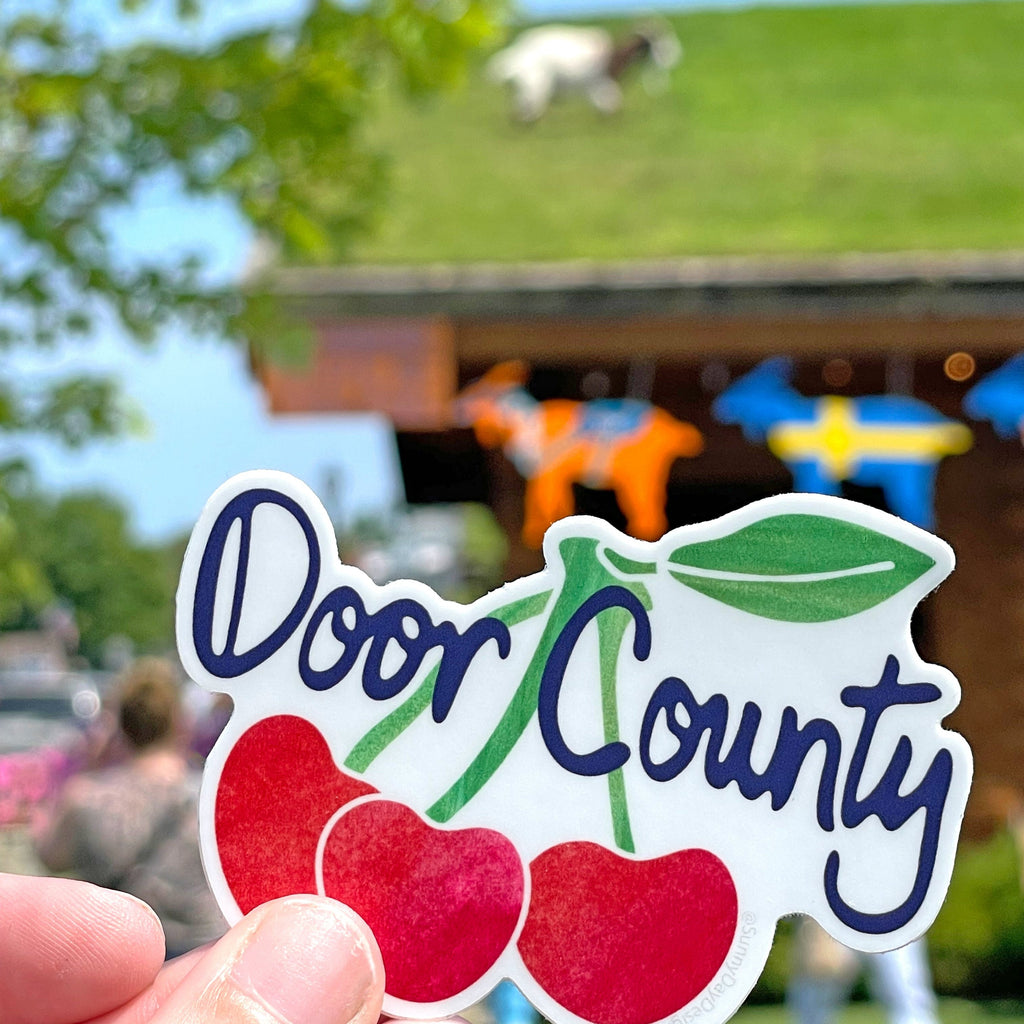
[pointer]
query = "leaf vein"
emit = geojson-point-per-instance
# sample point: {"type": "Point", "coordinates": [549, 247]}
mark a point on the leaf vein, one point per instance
{"type": "Point", "coordinates": [803, 577]}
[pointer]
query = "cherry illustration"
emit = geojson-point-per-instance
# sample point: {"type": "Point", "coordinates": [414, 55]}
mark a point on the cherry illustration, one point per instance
{"type": "Point", "coordinates": [621, 941]}
{"type": "Point", "coordinates": [443, 904]}
{"type": "Point", "coordinates": [277, 790]}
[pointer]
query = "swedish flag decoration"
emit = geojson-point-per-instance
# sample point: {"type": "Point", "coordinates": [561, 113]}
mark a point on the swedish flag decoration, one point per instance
{"type": "Point", "coordinates": [889, 441]}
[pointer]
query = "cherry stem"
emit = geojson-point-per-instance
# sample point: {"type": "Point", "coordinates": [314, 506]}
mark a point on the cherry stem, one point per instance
{"type": "Point", "coordinates": [377, 739]}
{"type": "Point", "coordinates": [611, 628]}
{"type": "Point", "coordinates": [584, 575]}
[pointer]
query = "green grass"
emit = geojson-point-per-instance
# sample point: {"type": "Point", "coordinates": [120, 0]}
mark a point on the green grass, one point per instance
{"type": "Point", "coordinates": [951, 1011]}
{"type": "Point", "coordinates": [792, 130]}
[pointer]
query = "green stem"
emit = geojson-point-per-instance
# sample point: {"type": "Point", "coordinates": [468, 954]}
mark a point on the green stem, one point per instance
{"type": "Point", "coordinates": [520, 710]}
{"type": "Point", "coordinates": [584, 576]}
{"type": "Point", "coordinates": [389, 728]}
{"type": "Point", "coordinates": [611, 627]}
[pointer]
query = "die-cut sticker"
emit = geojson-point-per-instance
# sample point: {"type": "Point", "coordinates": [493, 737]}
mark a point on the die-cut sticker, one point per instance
{"type": "Point", "coordinates": [606, 781]}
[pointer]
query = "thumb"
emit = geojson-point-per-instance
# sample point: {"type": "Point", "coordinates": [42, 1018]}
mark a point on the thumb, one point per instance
{"type": "Point", "coordinates": [297, 960]}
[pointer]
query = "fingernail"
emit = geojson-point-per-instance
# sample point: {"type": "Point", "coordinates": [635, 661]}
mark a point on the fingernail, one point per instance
{"type": "Point", "coordinates": [310, 961]}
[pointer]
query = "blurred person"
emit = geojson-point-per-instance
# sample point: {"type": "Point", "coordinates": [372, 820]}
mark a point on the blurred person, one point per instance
{"type": "Point", "coordinates": [209, 723]}
{"type": "Point", "coordinates": [133, 825]}
{"type": "Point", "coordinates": [825, 971]}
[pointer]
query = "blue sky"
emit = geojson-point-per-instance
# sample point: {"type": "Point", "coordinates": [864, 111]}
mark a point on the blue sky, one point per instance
{"type": "Point", "coordinates": [207, 421]}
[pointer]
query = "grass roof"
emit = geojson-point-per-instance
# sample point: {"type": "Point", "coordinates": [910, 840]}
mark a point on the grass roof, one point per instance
{"type": "Point", "coordinates": [783, 130]}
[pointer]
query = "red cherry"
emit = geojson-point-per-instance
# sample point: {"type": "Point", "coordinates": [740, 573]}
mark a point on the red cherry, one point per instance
{"type": "Point", "coordinates": [277, 790]}
{"type": "Point", "coordinates": [443, 905]}
{"type": "Point", "coordinates": [620, 941]}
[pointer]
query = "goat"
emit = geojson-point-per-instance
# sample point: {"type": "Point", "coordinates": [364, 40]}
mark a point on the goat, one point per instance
{"type": "Point", "coordinates": [551, 60]}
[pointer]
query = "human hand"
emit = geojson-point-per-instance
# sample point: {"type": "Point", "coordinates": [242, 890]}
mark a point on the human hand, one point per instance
{"type": "Point", "coordinates": [72, 953]}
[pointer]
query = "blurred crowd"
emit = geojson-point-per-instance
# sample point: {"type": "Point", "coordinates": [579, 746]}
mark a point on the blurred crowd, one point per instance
{"type": "Point", "coordinates": [117, 804]}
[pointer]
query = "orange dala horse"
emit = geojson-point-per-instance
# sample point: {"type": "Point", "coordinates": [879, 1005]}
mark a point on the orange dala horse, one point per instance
{"type": "Point", "coordinates": [624, 445]}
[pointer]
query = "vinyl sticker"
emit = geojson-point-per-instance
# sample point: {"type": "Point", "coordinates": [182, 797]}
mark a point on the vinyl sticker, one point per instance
{"type": "Point", "coordinates": [606, 781]}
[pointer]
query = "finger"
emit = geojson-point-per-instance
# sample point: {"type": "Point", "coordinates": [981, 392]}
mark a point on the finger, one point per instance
{"type": "Point", "coordinates": [144, 1006]}
{"type": "Point", "coordinates": [297, 960]}
{"type": "Point", "coordinates": [70, 950]}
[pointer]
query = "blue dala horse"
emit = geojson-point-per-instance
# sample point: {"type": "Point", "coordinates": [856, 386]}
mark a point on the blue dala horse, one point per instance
{"type": "Point", "coordinates": [999, 398]}
{"type": "Point", "coordinates": [887, 441]}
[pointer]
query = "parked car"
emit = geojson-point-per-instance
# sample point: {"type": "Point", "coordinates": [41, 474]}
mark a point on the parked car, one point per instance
{"type": "Point", "coordinates": [45, 710]}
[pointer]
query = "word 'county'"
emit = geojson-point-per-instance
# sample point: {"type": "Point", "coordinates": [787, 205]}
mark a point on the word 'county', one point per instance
{"type": "Point", "coordinates": [353, 627]}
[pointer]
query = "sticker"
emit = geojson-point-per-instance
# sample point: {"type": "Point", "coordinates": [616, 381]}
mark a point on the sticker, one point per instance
{"type": "Point", "coordinates": [606, 781]}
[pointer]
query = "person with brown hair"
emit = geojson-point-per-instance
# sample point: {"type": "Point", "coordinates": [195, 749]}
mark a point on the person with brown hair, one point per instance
{"type": "Point", "coordinates": [133, 826]}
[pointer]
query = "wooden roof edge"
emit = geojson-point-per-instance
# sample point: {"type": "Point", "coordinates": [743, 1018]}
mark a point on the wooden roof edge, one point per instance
{"type": "Point", "coordinates": [840, 271]}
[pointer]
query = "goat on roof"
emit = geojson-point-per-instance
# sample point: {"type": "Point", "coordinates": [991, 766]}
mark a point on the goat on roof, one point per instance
{"type": "Point", "coordinates": [552, 60]}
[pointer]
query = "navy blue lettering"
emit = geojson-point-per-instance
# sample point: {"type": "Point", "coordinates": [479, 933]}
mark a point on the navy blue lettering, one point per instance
{"type": "Point", "coordinates": [735, 766]}
{"type": "Point", "coordinates": [231, 663]}
{"type": "Point", "coordinates": [779, 778]}
{"type": "Point", "coordinates": [885, 801]}
{"type": "Point", "coordinates": [387, 624]}
{"type": "Point", "coordinates": [711, 717]}
{"type": "Point", "coordinates": [459, 650]}
{"type": "Point", "coordinates": [407, 624]}
{"type": "Point", "coordinates": [335, 605]}
{"type": "Point", "coordinates": [612, 755]}
{"type": "Point", "coordinates": [794, 744]}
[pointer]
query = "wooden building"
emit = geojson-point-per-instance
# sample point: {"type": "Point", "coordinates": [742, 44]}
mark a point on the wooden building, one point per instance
{"type": "Point", "coordinates": [404, 340]}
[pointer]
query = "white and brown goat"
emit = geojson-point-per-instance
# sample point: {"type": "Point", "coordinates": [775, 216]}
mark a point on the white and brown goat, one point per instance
{"type": "Point", "coordinates": [552, 60]}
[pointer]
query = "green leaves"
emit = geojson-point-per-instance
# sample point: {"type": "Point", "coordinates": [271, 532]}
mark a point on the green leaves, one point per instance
{"type": "Point", "coordinates": [800, 568]}
{"type": "Point", "coordinates": [78, 550]}
{"type": "Point", "coordinates": [274, 118]}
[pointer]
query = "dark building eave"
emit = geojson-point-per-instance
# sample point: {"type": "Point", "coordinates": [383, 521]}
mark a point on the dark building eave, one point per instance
{"type": "Point", "coordinates": [901, 285]}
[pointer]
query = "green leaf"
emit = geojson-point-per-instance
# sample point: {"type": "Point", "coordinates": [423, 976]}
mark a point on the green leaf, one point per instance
{"type": "Point", "coordinates": [800, 568]}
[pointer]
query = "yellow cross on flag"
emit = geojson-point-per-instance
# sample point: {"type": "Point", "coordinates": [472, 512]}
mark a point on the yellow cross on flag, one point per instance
{"type": "Point", "coordinates": [839, 442]}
